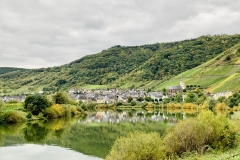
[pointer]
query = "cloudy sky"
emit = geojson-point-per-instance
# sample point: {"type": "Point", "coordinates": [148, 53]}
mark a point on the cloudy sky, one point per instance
{"type": "Point", "coordinates": [44, 33]}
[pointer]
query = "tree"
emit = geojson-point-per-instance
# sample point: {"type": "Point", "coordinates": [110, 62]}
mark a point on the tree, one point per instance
{"type": "Point", "coordinates": [60, 98]}
{"type": "Point", "coordinates": [129, 99]}
{"type": "Point", "coordinates": [36, 103]}
{"type": "Point", "coordinates": [190, 98]}
{"type": "Point", "coordinates": [140, 99]}
{"type": "Point", "coordinates": [164, 90]}
{"type": "Point", "coordinates": [234, 100]}
{"type": "Point", "coordinates": [148, 99]}
{"type": "Point", "coordinates": [178, 98]}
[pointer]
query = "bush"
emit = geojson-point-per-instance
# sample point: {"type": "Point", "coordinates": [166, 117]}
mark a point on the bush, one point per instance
{"type": "Point", "coordinates": [189, 135]}
{"type": "Point", "coordinates": [13, 117]}
{"type": "Point", "coordinates": [222, 106]}
{"type": "Point", "coordinates": [138, 145]}
{"type": "Point", "coordinates": [189, 106]}
{"type": "Point", "coordinates": [29, 115]}
{"type": "Point", "coordinates": [50, 113]}
{"type": "Point", "coordinates": [36, 103]}
{"type": "Point", "coordinates": [133, 103]}
{"type": "Point", "coordinates": [58, 109]}
{"type": "Point", "coordinates": [198, 134]}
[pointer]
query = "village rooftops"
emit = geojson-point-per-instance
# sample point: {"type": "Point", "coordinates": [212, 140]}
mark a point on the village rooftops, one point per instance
{"type": "Point", "coordinates": [175, 88]}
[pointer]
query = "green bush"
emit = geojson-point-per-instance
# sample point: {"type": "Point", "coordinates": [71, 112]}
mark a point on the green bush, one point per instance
{"type": "Point", "coordinates": [29, 115]}
{"type": "Point", "coordinates": [50, 113]}
{"type": "Point", "coordinates": [133, 103]}
{"type": "Point", "coordinates": [197, 134]}
{"type": "Point", "coordinates": [138, 146]}
{"type": "Point", "coordinates": [13, 117]}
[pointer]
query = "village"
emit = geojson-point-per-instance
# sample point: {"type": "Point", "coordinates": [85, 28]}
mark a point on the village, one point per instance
{"type": "Point", "coordinates": [116, 95]}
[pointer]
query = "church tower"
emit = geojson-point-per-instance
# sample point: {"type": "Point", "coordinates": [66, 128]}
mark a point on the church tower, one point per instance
{"type": "Point", "coordinates": [182, 84]}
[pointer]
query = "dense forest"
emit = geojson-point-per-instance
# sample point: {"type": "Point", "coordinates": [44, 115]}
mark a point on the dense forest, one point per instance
{"type": "Point", "coordinates": [120, 65]}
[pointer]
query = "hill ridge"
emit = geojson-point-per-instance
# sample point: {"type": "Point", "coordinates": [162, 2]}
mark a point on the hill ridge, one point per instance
{"type": "Point", "coordinates": [142, 67]}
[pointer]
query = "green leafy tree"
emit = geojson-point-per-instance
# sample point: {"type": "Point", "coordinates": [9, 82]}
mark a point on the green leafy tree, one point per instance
{"type": "Point", "coordinates": [140, 99]}
{"type": "Point", "coordinates": [148, 99]}
{"type": "Point", "coordinates": [164, 90]}
{"type": "Point", "coordinates": [178, 98]}
{"type": "Point", "coordinates": [60, 98]}
{"type": "Point", "coordinates": [36, 103]}
{"type": "Point", "coordinates": [190, 98]}
{"type": "Point", "coordinates": [234, 100]}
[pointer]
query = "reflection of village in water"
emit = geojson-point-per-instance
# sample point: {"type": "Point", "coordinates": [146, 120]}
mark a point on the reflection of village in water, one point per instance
{"type": "Point", "coordinates": [136, 116]}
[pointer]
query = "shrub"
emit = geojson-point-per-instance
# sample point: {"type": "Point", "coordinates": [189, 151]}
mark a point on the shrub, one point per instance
{"type": "Point", "coordinates": [36, 103]}
{"type": "Point", "coordinates": [29, 115]}
{"type": "Point", "coordinates": [84, 107]}
{"type": "Point", "coordinates": [133, 103]}
{"type": "Point", "coordinates": [223, 134]}
{"type": "Point", "coordinates": [222, 106]}
{"type": "Point", "coordinates": [188, 135]}
{"type": "Point", "coordinates": [138, 145]}
{"type": "Point", "coordinates": [50, 113]}
{"type": "Point", "coordinates": [58, 109]}
{"type": "Point", "coordinates": [198, 134]}
{"type": "Point", "coordinates": [13, 117]}
{"type": "Point", "coordinates": [189, 106]}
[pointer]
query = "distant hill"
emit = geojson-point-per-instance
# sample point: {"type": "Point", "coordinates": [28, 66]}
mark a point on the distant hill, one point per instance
{"type": "Point", "coordinates": [217, 75]}
{"type": "Point", "coordinates": [145, 66]}
{"type": "Point", "coordinates": [4, 70]}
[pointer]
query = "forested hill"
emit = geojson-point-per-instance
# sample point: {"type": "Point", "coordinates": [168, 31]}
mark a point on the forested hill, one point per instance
{"type": "Point", "coordinates": [220, 74]}
{"type": "Point", "coordinates": [4, 70]}
{"type": "Point", "coordinates": [122, 66]}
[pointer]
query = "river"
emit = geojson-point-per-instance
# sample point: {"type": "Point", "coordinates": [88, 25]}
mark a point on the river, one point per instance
{"type": "Point", "coordinates": [89, 137]}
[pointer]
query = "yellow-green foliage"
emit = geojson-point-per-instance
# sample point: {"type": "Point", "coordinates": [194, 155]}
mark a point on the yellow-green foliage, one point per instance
{"type": "Point", "coordinates": [222, 106]}
{"type": "Point", "coordinates": [138, 146]}
{"type": "Point", "coordinates": [58, 109]}
{"type": "Point", "coordinates": [150, 105]}
{"type": "Point", "coordinates": [63, 110]}
{"type": "Point", "coordinates": [206, 130]}
{"type": "Point", "coordinates": [13, 117]}
{"type": "Point", "coordinates": [189, 106]}
{"type": "Point", "coordinates": [174, 105]}
{"type": "Point", "coordinates": [188, 135]}
{"type": "Point", "coordinates": [50, 113]}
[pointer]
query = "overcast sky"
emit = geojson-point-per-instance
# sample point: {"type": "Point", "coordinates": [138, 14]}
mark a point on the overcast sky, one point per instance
{"type": "Point", "coordinates": [44, 33]}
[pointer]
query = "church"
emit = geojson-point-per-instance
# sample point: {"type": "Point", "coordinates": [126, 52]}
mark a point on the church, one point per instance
{"type": "Point", "coordinates": [177, 89]}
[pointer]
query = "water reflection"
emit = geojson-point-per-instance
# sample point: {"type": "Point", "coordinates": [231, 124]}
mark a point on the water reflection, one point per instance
{"type": "Point", "coordinates": [93, 134]}
{"type": "Point", "coordinates": [136, 116]}
{"type": "Point", "coordinates": [38, 152]}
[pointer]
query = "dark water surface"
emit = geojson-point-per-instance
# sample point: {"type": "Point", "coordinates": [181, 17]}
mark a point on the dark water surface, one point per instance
{"type": "Point", "coordinates": [89, 137]}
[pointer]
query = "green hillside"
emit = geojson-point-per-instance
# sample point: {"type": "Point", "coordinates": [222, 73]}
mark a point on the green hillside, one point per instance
{"type": "Point", "coordinates": [217, 75]}
{"type": "Point", "coordinates": [143, 66]}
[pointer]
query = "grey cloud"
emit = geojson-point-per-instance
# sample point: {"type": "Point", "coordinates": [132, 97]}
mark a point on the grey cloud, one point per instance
{"type": "Point", "coordinates": [44, 33]}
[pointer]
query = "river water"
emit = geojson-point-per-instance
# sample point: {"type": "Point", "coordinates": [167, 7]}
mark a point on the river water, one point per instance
{"type": "Point", "coordinates": [87, 138]}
